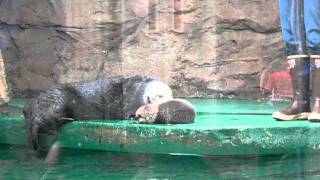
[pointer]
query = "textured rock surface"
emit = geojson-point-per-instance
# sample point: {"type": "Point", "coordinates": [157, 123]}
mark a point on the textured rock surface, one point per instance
{"type": "Point", "coordinates": [199, 47]}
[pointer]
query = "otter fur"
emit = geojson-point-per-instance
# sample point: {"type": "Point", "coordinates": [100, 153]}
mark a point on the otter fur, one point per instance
{"type": "Point", "coordinates": [113, 98]}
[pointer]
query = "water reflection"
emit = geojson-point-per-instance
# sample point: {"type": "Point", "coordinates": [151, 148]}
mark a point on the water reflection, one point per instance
{"type": "Point", "coordinates": [19, 163]}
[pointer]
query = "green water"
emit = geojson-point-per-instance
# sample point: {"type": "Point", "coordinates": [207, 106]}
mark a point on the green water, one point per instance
{"type": "Point", "coordinates": [19, 163]}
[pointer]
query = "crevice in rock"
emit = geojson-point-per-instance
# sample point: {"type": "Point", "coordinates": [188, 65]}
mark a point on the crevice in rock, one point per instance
{"type": "Point", "coordinates": [65, 36]}
{"type": "Point", "coordinates": [38, 26]}
{"type": "Point", "coordinates": [179, 12]}
{"type": "Point", "coordinates": [244, 24]}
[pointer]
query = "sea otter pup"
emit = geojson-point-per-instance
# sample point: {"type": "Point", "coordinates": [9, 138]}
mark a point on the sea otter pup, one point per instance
{"type": "Point", "coordinates": [113, 98]}
{"type": "Point", "coordinates": [173, 111]}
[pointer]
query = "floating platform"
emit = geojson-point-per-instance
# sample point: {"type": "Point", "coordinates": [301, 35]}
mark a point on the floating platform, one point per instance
{"type": "Point", "coordinates": [223, 127]}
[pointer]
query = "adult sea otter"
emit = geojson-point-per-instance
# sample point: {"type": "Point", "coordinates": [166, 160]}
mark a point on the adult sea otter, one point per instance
{"type": "Point", "coordinates": [114, 98]}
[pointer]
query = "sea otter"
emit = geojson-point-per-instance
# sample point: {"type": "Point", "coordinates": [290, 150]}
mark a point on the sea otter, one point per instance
{"type": "Point", "coordinates": [114, 98]}
{"type": "Point", "coordinates": [173, 111]}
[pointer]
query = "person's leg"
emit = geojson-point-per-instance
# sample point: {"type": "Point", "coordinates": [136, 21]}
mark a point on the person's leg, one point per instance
{"type": "Point", "coordinates": [315, 81]}
{"type": "Point", "coordinates": [312, 26]}
{"type": "Point", "coordinates": [300, 107]}
{"type": "Point", "coordinates": [292, 24]}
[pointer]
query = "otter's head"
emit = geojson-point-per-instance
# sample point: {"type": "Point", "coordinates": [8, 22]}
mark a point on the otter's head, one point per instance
{"type": "Point", "coordinates": [156, 92]}
{"type": "Point", "coordinates": [174, 111]}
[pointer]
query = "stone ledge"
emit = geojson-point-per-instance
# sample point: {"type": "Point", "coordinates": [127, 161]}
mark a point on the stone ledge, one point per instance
{"type": "Point", "coordinates": [223, 127]}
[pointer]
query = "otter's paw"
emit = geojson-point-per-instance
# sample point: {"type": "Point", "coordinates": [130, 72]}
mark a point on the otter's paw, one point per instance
{"type": "Point", "coordinates": [148, 118]}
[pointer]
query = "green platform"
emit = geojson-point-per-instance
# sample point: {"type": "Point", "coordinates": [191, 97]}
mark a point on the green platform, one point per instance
{"type": "Point", "coordinates": [223, 127]}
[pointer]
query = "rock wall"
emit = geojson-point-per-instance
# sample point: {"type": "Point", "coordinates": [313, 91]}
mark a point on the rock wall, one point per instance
{"type": "Point", "coordinates": [201, 48]}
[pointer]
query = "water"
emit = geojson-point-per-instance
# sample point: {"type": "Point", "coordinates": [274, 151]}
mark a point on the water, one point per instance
{"type": "Point", "coordinates": [17, 162]}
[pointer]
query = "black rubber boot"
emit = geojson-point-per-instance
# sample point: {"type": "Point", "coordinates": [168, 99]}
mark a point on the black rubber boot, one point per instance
{"type": "Point", "coordinates": [300, 107]}
{"type": "Point", "coordinates": [315, 114]}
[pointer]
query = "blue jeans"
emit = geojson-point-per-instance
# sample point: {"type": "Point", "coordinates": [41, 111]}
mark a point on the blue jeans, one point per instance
{"type": "Point", "coordinates": [300, 23]}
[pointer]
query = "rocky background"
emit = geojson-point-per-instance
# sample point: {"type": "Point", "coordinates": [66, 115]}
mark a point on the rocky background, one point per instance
{"type": "Point", "coordinates": [201, 48]}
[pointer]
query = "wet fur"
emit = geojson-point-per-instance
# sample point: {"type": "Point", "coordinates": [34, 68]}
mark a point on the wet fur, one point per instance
{"type": "Point", "coordinates": [113, 98]}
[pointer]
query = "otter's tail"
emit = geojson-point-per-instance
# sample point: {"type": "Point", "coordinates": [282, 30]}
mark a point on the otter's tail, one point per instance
{"type": "Point", "coordinates": [33, 127]}
{"type": "Point", "coordinates": [34, 136]}
{"type": "Point", "coordinates": [32, 122]}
